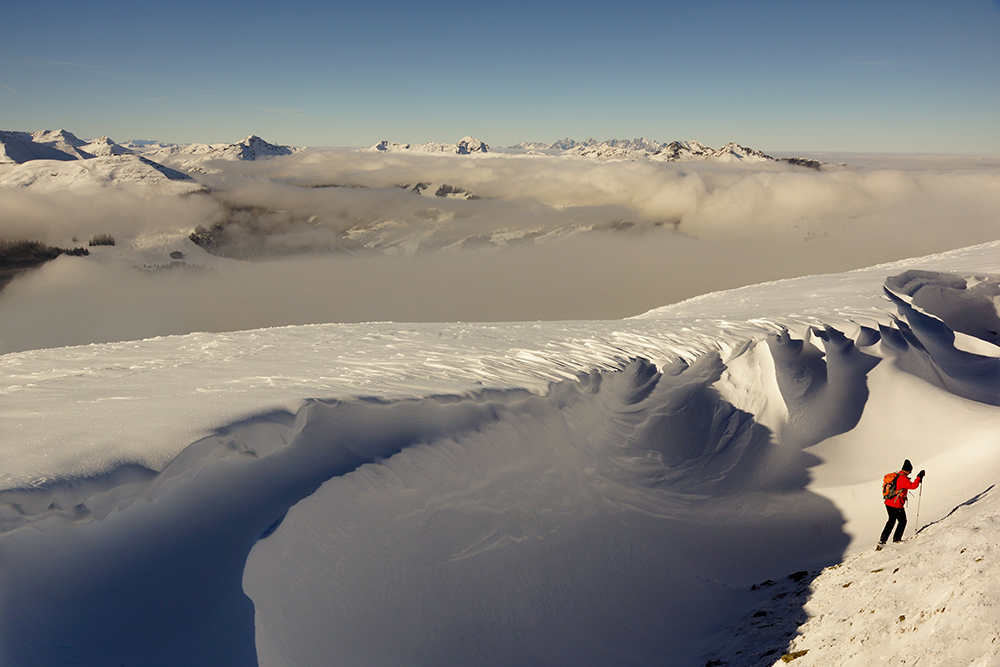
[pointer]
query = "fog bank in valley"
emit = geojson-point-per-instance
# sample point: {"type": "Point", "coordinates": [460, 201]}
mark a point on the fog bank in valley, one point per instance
{"type": "Point", "coordinates": [326, 236]}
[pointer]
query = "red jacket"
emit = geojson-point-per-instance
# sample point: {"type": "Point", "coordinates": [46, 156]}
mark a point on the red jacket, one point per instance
{"type": "Point", "coordinates": [903, 483]}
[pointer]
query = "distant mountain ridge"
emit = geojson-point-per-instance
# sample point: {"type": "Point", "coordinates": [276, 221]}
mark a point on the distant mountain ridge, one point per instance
{"type": "Point", "coordinates": [104, 162]}
{"type": "Point", "coordinates": [251, 148]}
{"type": "Point", "coordinates": [561, 145]}
{"type": "Point", "coordinates": [467, 146]}
{"type": "Point", "coordinates": [184, 159]}
{"type": "Point", "coordinates": [639, 148]}
{"type": "Point", "coordinates": [21, 147]}
{"type": "Point", "coordinates": [673, 151]}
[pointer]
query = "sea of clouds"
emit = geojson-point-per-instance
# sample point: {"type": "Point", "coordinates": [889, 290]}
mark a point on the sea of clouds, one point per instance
{"type": "Point", "coordinates": [333, 235]}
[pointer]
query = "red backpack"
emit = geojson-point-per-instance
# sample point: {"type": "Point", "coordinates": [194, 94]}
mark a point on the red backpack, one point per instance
{"type": "Point", "coordinates": [889, 490]}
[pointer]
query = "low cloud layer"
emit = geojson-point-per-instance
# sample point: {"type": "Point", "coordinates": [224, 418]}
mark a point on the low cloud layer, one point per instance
{"type": "Point", "coordinates": [334, 236]}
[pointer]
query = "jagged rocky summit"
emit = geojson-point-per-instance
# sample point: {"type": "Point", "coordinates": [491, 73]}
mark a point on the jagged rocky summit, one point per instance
{"type": "Point", "coordinates": [251, 148]}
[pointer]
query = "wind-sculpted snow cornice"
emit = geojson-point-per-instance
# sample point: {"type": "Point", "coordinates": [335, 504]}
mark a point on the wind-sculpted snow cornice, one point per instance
{"type": "Point", "coordinates": [680, 414]}
{"type": "Point", "coordinates": [927, 347]}
{"type": "Point", "coordinates": [825, 389]}
{"type": "Point", "coordinates": [612, 448]}
{"type": "Point", "coordinates": [965, 304]}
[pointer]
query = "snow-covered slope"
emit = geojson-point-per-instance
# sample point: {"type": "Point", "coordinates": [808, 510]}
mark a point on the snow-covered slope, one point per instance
{"type": "Point", "coordinates": [111, 171]}
{"type": "Point", "coordinates": [932, 598]}
{"type": "Point", "coordinates": [929, 599]}
{"type": "Point", "coordinates": [586, 493]}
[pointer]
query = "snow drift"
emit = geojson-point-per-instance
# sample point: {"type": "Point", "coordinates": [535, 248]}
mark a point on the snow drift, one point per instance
{"type": "Point", "coordinates": [585, 493]}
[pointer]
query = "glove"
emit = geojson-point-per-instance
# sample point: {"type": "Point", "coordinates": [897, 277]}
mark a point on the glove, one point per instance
{"type": "Point", "coordinates": [920, 475]}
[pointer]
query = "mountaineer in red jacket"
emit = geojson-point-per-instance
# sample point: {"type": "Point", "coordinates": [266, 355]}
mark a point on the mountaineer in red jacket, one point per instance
{"type": "Point", "coordinates": [895, 500]}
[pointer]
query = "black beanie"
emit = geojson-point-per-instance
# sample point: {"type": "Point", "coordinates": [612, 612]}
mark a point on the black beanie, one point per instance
{"type": "Point", "coordinates": [907, 466]}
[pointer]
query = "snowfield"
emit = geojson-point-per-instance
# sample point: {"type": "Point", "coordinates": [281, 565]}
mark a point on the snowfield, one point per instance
{"type": "Point", "coordinates": [628, 492]}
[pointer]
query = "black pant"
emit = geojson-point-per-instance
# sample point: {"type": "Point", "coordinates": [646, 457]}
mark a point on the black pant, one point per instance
{"type": "Point", "coordinates": [895, 514]}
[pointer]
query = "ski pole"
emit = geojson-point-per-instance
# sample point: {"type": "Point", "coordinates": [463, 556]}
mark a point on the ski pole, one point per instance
{"type": "Point", "coordinates": [916, 519]}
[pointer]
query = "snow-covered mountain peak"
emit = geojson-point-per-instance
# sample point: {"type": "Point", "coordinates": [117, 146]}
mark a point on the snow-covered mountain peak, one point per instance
{"type": "Point", "coordinates": [733, 152]}
{"type": "Point", "coordinates": [254, 147]}
{"type": "Point", "coordinates": [54, 137]}
{"type": "Point", "coordinates": [104, 147]}
{"type": "Point", "coordinates": [684, 150]}
{"type": "Point", "coordinates": [470, 145]}
{"type": "Point", "coordinates": [63, 141]}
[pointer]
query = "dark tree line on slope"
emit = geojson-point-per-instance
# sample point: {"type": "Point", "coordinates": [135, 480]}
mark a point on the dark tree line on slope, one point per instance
{"type": "Point", "coordinates": [16, 257]}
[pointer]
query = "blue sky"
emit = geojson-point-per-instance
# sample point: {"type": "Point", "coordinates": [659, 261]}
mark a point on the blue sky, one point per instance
{"type": "Point", "coordinates": [892, 75]}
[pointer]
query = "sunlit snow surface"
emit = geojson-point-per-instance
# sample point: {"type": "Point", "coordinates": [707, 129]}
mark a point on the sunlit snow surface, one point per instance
{"type": "Point", "coordinates": [584, 493]}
